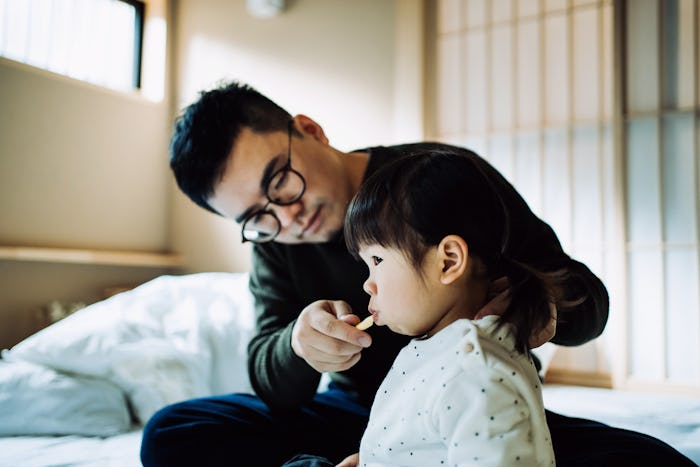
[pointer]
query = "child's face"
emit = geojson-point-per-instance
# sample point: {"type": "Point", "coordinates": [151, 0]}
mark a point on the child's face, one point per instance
{"type": "Point", "coordinates": [399, 297]}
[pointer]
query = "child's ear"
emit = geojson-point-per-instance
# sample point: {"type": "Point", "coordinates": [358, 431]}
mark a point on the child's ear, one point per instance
{"type": "Point", "coordinates": [453, 254]}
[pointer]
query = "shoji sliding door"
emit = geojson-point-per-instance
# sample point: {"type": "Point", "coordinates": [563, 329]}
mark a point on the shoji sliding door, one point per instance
{"type": "Point", "coordinates": [661, 199]}
{"type": "Point", "coordinates": [589, 108]}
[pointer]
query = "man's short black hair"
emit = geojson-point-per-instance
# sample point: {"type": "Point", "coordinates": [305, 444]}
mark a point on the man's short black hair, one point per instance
{"type": "Point", "coordinates": [205, 132]}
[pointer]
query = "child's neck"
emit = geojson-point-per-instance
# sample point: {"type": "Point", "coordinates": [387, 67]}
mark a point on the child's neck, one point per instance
{"type": "Point", "coordinates": [466, 304]}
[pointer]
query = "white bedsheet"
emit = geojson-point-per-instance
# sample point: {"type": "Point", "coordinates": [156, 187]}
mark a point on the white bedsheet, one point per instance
{"type": "Point", "coordinates": [674, 419]}
{"type": "Point", "coordinates": [59, 451]}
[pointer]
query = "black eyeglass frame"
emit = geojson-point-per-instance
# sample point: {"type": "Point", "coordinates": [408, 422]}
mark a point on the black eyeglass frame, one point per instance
{"type": "Point", "coordinates": [265, 211]}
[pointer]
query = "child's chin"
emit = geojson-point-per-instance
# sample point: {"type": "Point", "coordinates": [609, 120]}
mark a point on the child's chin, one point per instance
{"type": "Point", "coordinates": [392, 327]}
{"type": "Point", "coordinates": [397, 330]}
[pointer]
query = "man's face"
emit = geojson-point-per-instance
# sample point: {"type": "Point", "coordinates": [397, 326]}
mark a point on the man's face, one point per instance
{"type": "Point", "coordinates": [317, 216]}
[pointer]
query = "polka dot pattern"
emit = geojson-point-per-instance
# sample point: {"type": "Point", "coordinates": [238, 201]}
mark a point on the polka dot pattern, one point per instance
{"type": "Point", "coordinates": [464, 394]}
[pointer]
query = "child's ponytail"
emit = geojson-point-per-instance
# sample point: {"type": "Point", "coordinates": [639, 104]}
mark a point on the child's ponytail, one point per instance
{"type": "Point", "coordinates": [531, 294]}
{"type": "Point", "coordinates": [532, 291]}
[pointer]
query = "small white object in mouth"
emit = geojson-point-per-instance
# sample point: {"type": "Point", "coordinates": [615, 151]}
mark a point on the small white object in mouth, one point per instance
{"type": "Point", "coordinates": [365, 323]}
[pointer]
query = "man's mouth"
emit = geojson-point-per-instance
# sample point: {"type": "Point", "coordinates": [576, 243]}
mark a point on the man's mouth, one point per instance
{"type": "Point", "coordinates": [311, 226]}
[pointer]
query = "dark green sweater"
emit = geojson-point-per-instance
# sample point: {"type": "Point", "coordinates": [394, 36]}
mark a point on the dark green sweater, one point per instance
{"type": "Point", "coordinates": [286, 278]}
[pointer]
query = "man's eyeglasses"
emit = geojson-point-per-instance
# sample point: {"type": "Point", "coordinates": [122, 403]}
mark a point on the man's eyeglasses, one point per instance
{"type": "Point", "coordinates": [285, 186]}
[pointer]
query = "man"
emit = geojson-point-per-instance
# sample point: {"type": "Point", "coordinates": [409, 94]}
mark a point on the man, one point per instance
{"type": "Point", "coordinates": [237, 154]}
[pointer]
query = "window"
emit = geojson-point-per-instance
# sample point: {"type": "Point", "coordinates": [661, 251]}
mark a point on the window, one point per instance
{"type": "Point", "coordinates": [98, 41]}
{"type": "Point", "coordinates": [590, 108]}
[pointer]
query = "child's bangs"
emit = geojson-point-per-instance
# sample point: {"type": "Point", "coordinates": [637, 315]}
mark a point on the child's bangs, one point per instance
{"type": "Point", "coordinates": [368, 220]}
{"type": "Point", "coordinates": [379, 215]}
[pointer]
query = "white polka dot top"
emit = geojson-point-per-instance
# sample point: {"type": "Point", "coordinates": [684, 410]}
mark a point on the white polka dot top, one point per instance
{"type": "Point", "coordinates": [464, 397]}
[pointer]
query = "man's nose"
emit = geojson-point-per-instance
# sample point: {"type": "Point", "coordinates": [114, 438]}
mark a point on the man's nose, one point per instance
{"type": "Point", "coordinates": [288, 214]}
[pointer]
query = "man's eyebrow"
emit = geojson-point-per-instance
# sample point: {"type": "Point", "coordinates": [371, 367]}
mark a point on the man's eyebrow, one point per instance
{"type": "Point", "coordinates": [264, 180]}
{"type": "Point", "coordinates": [245, 214]}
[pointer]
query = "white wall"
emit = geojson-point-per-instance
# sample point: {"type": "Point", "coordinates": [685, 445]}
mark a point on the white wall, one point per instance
{"type": "Point", "coordinates": [336, 61]}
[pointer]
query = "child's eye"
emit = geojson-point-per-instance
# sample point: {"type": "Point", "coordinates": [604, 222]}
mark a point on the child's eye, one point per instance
{"type": "Point", "coordinates": [376, 260]}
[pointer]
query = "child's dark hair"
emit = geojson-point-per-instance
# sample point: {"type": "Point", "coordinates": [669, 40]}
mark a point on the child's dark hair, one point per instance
{"type": "Point", "coordinates": [412, 203]}
{"type": "Point", "coordinates": [207, 129]}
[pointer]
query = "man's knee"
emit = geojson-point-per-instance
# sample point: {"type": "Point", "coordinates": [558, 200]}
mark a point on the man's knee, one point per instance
{"type": "Point", "coordinates": [155, 444]}
{"type": "Point", "coordinates": [214, 427]}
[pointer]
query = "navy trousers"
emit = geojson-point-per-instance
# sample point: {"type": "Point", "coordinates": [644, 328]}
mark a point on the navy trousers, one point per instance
{"type": "Point", "coordinates": [240, 430]}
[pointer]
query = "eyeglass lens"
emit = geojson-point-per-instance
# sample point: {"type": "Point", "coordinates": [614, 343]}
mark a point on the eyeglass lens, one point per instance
{"type": "Point", "coordinates": [284, 188]}
{"type": "Point", "coordinates": [262, 227]}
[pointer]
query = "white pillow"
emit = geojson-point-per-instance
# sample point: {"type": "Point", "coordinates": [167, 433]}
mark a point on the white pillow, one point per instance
{"type": "Point", "coordinates": [35, 400]}
{"type": "Point", "coordinates": [173, 338]}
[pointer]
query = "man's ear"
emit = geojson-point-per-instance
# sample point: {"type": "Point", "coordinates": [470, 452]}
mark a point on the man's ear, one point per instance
{"type": "Point", "coordinates": [309, 127]}
{"type": "Point", "coordinates": [453, 254]}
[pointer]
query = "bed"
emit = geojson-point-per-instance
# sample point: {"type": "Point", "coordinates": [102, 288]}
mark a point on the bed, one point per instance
{"type": "Point", "coordinates": [78, 392]}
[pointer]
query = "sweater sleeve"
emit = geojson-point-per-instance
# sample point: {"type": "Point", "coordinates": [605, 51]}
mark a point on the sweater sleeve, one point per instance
{"type": "Point", "coordinates": [279, 377]}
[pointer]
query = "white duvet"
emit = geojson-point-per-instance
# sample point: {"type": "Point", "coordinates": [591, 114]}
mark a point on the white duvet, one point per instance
{"type": "Point", "coordinates": [173, 338]}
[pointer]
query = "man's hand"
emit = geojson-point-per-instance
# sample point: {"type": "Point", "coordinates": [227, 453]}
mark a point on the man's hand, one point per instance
{"type": "Point", "coordinates": [352, 460]}
{"type": "Point", "coordinates": [545, 334]}
{"type": "Point", "coordinates": [325, 336]}
{"type": "Point", "coordinates": [499, 299]}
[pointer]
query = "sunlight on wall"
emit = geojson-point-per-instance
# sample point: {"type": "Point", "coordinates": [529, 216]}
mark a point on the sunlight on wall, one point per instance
{"type": "Point", "coordinates": [363, 87]}
{"type": "Point", "coordinates": [154, 52]}
{"type": "Point", "coordinates": [352, 115]}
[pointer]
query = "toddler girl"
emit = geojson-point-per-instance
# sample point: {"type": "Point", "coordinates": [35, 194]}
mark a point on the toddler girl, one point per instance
{"type": "Point", "coordinates": [434, 234]}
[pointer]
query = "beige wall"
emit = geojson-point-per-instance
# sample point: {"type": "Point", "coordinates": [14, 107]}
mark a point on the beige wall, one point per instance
{"type": "Point", "coordinates": [84, 167]}
{"type": "Point", "coordinates": [80, 167]}
{"type": "Point", "coordinates": [350, 65]}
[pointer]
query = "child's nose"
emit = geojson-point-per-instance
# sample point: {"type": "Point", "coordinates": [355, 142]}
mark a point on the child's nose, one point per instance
{"type": "Point", "coordinates": [369, 287]}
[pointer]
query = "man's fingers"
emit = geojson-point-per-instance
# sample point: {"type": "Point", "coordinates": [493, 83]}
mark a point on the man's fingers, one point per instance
{"type": "Point", "coordinates": [338, 308]}
{"type": "Point", "coordinates": [496, 306]}
{"type": "Point", "coordinates": [340, 330]}
{"type": "Point", "coordinates": [499, 294]}
{"type": "Point", "coordinates": [498, 285]}
{"type": "Point", "coordinates": [325, 341]}
{"type": "Point", "coordinates": [350, 461]}
{"type": "Point", "coordinates": [322, 357]}
{"type": "Point", "coordinates": [326, 363]}
{"type": "Point", "coordinates": [352, 320]}
{"type": "Point", "coordinates": [325, 344]}
{"type": "Point", "coordinates": [547, 333]}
